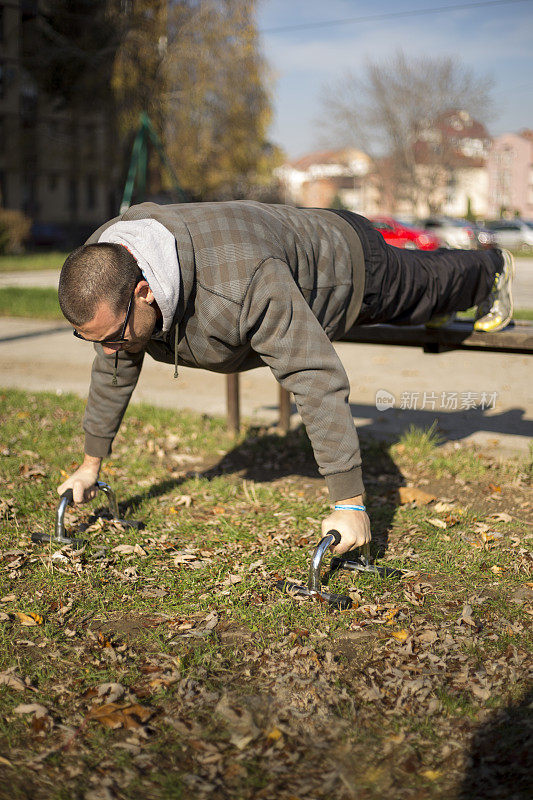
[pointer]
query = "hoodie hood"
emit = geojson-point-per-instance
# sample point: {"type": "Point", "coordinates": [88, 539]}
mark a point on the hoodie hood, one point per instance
{"type": "Point", "coordinates": [154, 248]}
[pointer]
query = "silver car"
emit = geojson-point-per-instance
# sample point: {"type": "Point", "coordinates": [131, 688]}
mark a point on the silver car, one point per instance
{"type": "Point", "coordinates": [515, 234]}
{"type": "Point", "coordinates": [459, 233]}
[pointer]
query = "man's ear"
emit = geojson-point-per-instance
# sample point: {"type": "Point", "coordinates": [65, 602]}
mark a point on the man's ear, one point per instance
{"type": "Point", "coordinates": [144, 293]}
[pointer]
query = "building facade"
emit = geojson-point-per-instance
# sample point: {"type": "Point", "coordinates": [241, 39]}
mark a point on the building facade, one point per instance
{"type": "Point", "coordinates": [55, 161]}
{"type": "Point", "coordinates": [341, 178]}
{"type": "Point", "coordinates": [451, 157]}
{"type": "Point", "coordinates": [510, 175]}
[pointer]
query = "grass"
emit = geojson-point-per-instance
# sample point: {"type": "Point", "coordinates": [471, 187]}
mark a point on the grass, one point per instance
{"type": "Point", "coordinates": [24, 262]}
{"type": "Point", "coordinates": [222, 681]}
{"type": "Point", "coordinates": [36, 303]}
{"type": "Point", "coordinates": [522, 253]}
{"type": "Point", "coordinates": [518, 313]}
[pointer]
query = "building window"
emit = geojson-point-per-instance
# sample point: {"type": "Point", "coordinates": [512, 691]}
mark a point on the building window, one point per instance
{"type": "Point", "coordinates": [28, 106]}
{"type": "Point", "coordinates": [91, 134]}
{"type": "Point", "coordinates": [73, 195]}
{"type": "Point", "coordinates": [3, 189]}
{"type": "Point", "coordinates": [29, 194]}
{"type": "Point", "coordinates": [90, 187]}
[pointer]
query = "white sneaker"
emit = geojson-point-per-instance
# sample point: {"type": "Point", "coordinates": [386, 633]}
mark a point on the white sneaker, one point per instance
{"type": "Point", "coordinates": [496, 312]}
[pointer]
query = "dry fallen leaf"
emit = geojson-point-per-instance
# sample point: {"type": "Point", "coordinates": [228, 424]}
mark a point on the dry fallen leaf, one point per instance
{"type": "Point", "coordinates": [442, 507]}
{"type": "Point", "coordinates": [114, 691]}
{"type": "Point", "coordinates": [29, 619]}
{"type": "Point", "coordinates": [428, 636]}
{"type": "Point", "coordinates": [184, 500]}
{"type": "Point", "coordinates": [432, 774]}
{"type": "Point", "coordinates": [126, 549]}
{"type": "Point", "coordinates": [410, 494]}
{"type": "Point", "coordinates": [211, 621]}
{"type": "Point", "coordinates": [33, 471]}
{"type": "Point", "coordinates": [231, 580]}
{"type": "Point", "coordinates": [31, 708]}
{"type": "Point", "coordinates": [501, 516]}
{"type": "Point", "coordinates": [479, 691]}
{"type": "Point", "coordinates": [9, 678]}
{"type": "Point", "coordinates": [466, 616]}
{"type": "Point", "coordinates": [274, 735]}
{"type": "Point", "coordinates": [240, 723]}
{"type": "Point", "coordinates": [437, 523]}
{"type": "Point", "coordinates": [113, 715]}
{"type": "Point", "coordinates": [400, 635]}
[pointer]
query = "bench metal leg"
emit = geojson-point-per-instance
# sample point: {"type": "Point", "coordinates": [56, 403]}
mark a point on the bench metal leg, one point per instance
{"type": "Point", "coordinates": [284, 409]}
{"type": "Point", "coordinates": [233, 402]}
{"type": "Point", "coordinates": [233, 405]}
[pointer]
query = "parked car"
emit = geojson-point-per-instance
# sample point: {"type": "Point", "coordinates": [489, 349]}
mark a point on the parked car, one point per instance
{"type": "Point", "coordinates": [400, 235]}
{"type": "Point", "coordinates": [516, 234]}
{"type": "Point", "coordinates": [459, 233]}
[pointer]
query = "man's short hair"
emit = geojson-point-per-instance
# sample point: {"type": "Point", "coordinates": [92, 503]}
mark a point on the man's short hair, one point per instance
{"type": "Point", "coordinates": [92, 273]}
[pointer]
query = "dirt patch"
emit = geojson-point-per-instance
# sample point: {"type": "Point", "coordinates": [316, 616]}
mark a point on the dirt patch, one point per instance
{"type": "Point", "coordinates": [354, 647]}
{"type": "Point", "coordinates": [232, 634]}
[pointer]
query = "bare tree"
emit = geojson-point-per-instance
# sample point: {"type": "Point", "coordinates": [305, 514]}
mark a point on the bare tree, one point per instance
{"type": "Point", "coordinates": [394, 107]}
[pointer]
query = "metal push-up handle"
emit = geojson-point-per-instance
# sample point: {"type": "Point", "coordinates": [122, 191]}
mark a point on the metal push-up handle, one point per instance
{"type": "Point", "coordinates": [66, 500]}
{"type": "Point", "coordinates": [314, 585]}
{"type": "Point", "coordinates": [359, 563]}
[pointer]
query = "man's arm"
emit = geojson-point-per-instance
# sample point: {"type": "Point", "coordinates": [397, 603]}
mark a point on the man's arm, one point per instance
{"type": "Point", "coordinates": [283, 330]}
{"type": "Point", "coordinates": [107, 402]}
{"type": "Point", "coordinates": [106, 405]}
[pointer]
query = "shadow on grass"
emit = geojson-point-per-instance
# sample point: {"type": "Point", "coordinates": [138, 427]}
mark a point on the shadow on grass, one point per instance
{"type": "Point", "coordinates": [264, 457]}
{"type": "Point", "coordinates": [502, 755]}
{"type": "Point", "coordinates": [454, 425]}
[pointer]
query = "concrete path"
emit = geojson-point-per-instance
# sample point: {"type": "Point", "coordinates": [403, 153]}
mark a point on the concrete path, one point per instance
{"type": "Point", "coordinates": [42, 278]}
{"type": "Point", "coordinates": [523, 285]}
{"type": "Point", "coordinates": [37, 355]}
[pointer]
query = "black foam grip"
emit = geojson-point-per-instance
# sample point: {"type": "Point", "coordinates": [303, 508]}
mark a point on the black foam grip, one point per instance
{"type": "Point", "coordinates": [69, 495]}
{"type": "Point", "coordinates": [336, 536]}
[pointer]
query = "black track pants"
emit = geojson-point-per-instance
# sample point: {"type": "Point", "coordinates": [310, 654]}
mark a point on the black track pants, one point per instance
{"type": "Point", "coordinates": [407, 287]}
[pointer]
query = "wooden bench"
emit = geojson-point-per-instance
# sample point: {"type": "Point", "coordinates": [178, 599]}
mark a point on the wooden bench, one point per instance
{"type": "Point", "coordinates": [460, 335]}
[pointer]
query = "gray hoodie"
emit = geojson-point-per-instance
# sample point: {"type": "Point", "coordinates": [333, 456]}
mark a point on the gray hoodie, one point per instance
{"type": "Point", "coordinates": [154, 248]}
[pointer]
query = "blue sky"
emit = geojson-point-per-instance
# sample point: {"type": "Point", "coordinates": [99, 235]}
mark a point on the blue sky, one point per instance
{"type": "Point", "coordinates": [495, 40]}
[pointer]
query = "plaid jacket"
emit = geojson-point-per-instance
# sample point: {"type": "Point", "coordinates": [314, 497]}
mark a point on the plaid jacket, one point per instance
{"type": "Point", "coordinates": [261, 284]}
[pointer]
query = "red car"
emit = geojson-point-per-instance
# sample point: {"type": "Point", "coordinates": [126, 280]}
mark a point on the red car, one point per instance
{"type": "Point", "coordinates": [404, 236]}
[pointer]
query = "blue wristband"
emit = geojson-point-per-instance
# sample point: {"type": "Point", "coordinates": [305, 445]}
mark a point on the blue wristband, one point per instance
{"type": "Point", "coordinates": [341, 507]}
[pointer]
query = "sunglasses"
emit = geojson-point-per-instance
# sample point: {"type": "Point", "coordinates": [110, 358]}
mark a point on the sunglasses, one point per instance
{"type": "Point", "coordinates": [112, 341]}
